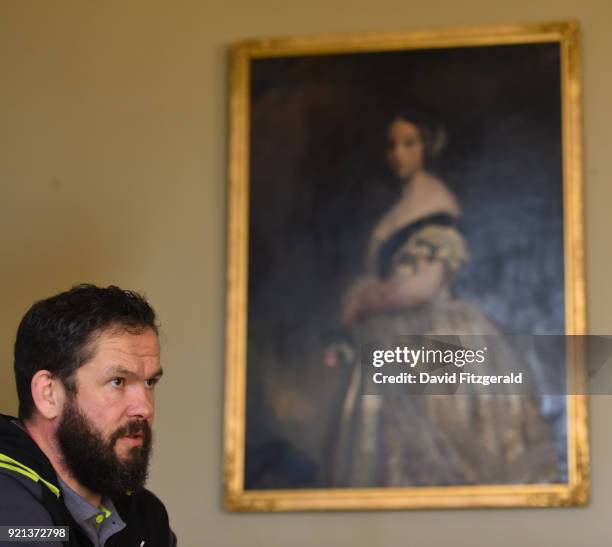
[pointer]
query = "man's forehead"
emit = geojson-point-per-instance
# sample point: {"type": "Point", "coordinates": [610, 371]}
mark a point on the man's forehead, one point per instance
{"type": "Point", "coordinates": [125, 345]}
{"type": "Point", "coordinates": [122, 338]}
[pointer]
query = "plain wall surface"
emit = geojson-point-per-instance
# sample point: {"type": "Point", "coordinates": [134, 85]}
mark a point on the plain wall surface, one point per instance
{"type": "Point", "coordinates": [113, 129]}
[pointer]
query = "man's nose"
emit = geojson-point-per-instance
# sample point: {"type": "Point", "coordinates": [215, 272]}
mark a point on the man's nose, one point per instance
{"type": "Point", "coordinates": [141, 403]}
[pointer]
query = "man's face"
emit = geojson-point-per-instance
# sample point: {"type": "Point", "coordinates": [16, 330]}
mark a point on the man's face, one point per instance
{"type": "Point", "coordinates": [105, 429]}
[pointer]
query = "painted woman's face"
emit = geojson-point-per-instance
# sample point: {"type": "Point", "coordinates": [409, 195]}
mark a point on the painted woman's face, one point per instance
{"type": "Point", "coordinates": [405, 149]}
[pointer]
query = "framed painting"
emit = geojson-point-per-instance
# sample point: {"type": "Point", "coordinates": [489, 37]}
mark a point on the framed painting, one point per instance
{"type": "Point", "coordinates": [411, 184]}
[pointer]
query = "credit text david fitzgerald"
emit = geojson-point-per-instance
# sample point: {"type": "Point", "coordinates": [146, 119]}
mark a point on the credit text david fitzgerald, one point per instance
{"type": "Point", "coordinates": [447, 378]}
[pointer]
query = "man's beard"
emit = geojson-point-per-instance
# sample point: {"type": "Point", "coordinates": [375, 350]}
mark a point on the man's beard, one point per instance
{"type": "Point", "coordinates": [91, 459]}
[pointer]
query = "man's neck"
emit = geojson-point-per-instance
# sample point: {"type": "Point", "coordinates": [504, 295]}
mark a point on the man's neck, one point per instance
{"type": "Point", "coordinates": [91, 497]}
{"type": "Point", "coordinates": [43, 437]}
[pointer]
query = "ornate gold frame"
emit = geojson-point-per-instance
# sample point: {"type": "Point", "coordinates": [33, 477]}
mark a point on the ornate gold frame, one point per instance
{"type": "Point", "coordinates": [576, 490]}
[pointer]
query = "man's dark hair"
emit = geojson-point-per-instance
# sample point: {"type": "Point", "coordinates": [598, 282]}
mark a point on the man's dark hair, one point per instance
{"type": "Point", "coordinates": [58, 333]}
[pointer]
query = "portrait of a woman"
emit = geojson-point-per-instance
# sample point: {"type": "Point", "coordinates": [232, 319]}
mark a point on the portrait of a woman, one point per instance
{"type": "Point", "coordinates": [414, 253]}
{"type": "Point", "coordinates": [397, 196]}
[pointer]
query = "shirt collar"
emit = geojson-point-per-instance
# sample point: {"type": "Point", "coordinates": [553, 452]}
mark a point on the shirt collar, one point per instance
{"type": "Point", "coordinates": [88, 516]}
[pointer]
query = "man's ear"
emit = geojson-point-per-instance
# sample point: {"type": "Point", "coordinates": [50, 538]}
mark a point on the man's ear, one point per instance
{"type": "Point", "coordinates": [48, 394]}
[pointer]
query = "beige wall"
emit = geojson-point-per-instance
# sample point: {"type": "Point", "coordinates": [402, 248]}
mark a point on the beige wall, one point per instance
{"type": "Point", "coordinates": [112, 170]}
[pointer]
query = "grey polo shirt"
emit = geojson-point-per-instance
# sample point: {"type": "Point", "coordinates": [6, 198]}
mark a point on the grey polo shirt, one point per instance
{"type": "Point", "coordinates": [99, 523]}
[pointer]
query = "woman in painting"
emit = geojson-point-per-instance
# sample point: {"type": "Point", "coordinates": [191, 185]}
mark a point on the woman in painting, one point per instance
{"type": "Point", "coordinates": [398, 439]}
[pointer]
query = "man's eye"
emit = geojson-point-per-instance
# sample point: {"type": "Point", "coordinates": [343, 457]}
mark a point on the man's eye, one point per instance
{"type": "Point", "coordinates": [150, 383]}
{"type": "Point", "coordinates": [118, 382]}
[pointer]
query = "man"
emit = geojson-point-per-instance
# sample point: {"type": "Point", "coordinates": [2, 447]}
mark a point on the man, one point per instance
{"type": "Point", "coordinates": [86, 366]}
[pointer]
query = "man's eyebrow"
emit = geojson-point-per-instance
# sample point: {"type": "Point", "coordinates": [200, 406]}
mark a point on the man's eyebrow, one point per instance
{"type": "Point", "coordinates": [122, 371]}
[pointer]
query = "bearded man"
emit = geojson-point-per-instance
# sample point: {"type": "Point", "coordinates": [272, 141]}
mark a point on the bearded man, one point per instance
{"type": "Point", "coordinates": [86, 365]}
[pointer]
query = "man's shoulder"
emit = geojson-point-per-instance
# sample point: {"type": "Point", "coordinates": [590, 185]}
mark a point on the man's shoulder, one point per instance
{"type": "Point", "coordinates": [21, 501]}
